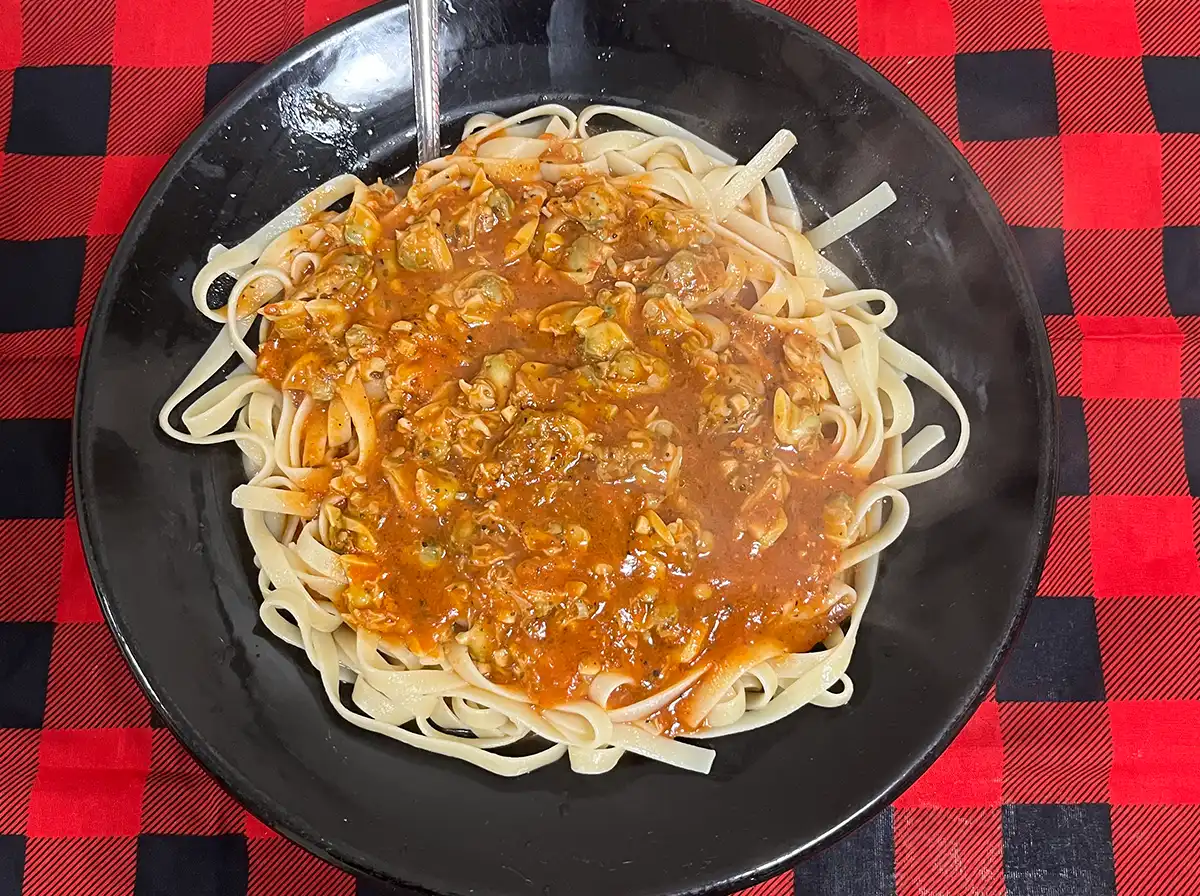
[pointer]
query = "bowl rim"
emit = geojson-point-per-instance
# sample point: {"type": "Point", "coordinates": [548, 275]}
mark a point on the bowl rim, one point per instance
{"type": "Point", "coordinates": [263, 806]}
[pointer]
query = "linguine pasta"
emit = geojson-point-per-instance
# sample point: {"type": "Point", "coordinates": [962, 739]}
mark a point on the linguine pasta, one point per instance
{"type": "Point", "coordinates": [577, 445]}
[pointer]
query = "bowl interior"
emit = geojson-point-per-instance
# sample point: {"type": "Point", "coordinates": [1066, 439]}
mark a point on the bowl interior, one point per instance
{"type": "Point", "coordinates": [174, 570]}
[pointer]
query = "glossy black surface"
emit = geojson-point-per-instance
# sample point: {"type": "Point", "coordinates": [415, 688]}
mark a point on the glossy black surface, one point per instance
{"type": "Point", "coordinates": [173, 567]}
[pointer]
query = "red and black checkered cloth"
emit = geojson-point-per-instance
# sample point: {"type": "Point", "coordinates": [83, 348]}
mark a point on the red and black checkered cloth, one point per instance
{"type": "Point", "coordinates": [1079, 776]}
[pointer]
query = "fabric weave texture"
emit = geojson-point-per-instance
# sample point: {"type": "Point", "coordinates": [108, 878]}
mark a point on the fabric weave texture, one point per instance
{"type": "Point", "coordinates": [1080, 773]}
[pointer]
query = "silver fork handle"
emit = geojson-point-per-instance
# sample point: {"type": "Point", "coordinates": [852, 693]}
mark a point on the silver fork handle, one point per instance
{"type": "Point", "coordinates": [423, 28]}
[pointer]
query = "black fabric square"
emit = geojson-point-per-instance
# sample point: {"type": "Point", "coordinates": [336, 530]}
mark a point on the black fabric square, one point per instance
{"type": "Point", "coordinates": [1064, 850]}
{"type": "Point", "coordinates": [1173, 86]}
{"type": "Point", "coordinates": [168, 865]}
{"type": "Point", "coordinates": [1045, 260]}
{"type": "Point", "coordinates": [42, 283]}
{"type": "Point", "coordinates": [1181, 269]}
{"type": "Point", "coordinates": [866, 857]}
{"type": "Point", "coordinates": [24, 667]}
{"type": "Point", "coordinates": [60, 110]}
{"type": "Point", "coordinates": [1190, 410]}
{"type": "Point", "coordinates": [1073, 466]}
{"type": "Point", "coordinates": [1056, 656]}
{"type": "Point", "coordinates": [12, 863]}
{"type": "Point", "coordinates": [33, 468]}
{"type": "Point", "coordinates": [222, 77]}
{"type": "Point", "coordinates": [1006, 96]}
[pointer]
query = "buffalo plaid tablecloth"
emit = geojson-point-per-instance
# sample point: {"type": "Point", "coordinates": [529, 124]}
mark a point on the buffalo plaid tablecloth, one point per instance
{"type": "Point", "coordinates": [1080, 775]}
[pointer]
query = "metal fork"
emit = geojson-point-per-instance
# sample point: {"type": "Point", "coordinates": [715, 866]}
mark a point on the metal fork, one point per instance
{"type": "Point", "coordinates": [423, 29]}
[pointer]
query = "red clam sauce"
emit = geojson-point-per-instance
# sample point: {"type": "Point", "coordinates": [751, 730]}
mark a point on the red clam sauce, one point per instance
{"type": "Point", "coordinates": [578, 465]}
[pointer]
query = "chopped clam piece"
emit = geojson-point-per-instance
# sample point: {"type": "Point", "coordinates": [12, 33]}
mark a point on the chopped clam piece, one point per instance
{"type": "Point", "coordinates": [664, 228]}
{"type": "Point", "coordinates": [361, 227]}
{"type": "Point", "coordinates": [501, 203]}
{"type": "Point", "coordinates": [363, 340]}
{"type": "Point", "coordinates": [437, 491]}
{"type": "Point", "coordinates": [585, 253]}
{"type": "Point", "coordinates": [762, 518]}
{"type": "Point", "coordinates": [520, 243]}
{"type": "Point", "coordinates": [559, 318]}
{"type": "Point", "coordinates": [802, 355]}
{"type": "Point", "coordinates": [423, 248]}
{"type": "Point", "coordinates": [794, 424]}
{"type": "Point", "coordinates": [605, 339]}
{"type": "Point", "coordinates": [838, 517]}
{"type": "Point", "coordinates": [328, 314]}
{"type": "Point", "coordinates": [693, 275]}
{"type": "Point", "coordinates": [588, 317]}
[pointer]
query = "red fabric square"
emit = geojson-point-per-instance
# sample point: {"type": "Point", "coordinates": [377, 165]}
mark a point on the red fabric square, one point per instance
{"type": "Point", "coordinates": [1168, 27]}
{"type": "Point", "coordinates": [905, 28]}
{"type": "Point", "coordinates": [1094, 27]}
{"type": "Point", "coordinates": [1156, 752]}
{"type": "Point", "coordinates": [65, 33]}
{"type": "Point", "coordinates": [29, 552]}
{"type": "Point", "coordinates": [1066, 343]}
{"type": "Point", "coordinates": [66, 190]}
{"type": "Point", "coordinates": [47, 388]}
{"type": "Point", "coordinates": [969, 772]}
{"type": "Point", "coordinates": [1181, 179]}
{"type": "Point", "coordinates": [1055, 752]}
{"type": "Point", "coordinates": [948, 851]}
{"type": "Point", "coordinates": [1135, 357]}
{"type": "Point", "coordinates": [1135, 466]}
{"type": "Point", "coordinates": [836, 19]}
{"type": "Point", "coordinates": [237, 37]}
{"type": "Point", "coordinates": [1121, 106]}
{"type": "Point", "coordinates": [1166, 661]}
{"type": "Point", "coordinates": [929, 83]}
{"type": "Point", "coordinates": [153, 109]}
{"type": "Point", "coordinates": [1142, 546]}
{"type": "Point", "coordinates": [1023, 176]}
{"type": "Point", "coordinates": [90, 685]}
{"type": "Point", "coordinates": [6, 90]}
{"type": "Point", "coordinates": [1116, 272]}
{"type": "Point", "coordinates": [125, 181]}
{"type": "Point", "coordinates": [69, 495]}
{"type": "Point", "coordinates": [76, 596]}
{"type": "Point", "coordinates": [18, 767]}
{"type": "Point", "coordinates": [91, 867]}
{"type": "Point", "coordinates": [162, 33]}
{"type": "Point", "coordinates": [255, 829]}
{"type": "Point", "coordinates": [783, 885]}
{"type": "Point", "coordinates": [181, 798]}
{"type": "Point", "coordinates": [319, 13]}
{"type": "Point", "coordinates": [279, 866]}
{"type": "Point", "coordinates": [10, 36]}
{"type": "Point", "coordinates": [1156, 849]}
{"type": "Point", "coordinates": [1068, 571]}
{"type": "Point", "coordinates": [31, 344]}
{"type": "Point", "coordinates": [1112, 180]}
{"type": "Point", "coordinates": [96, 257]}
{"type": "Point", "coordinates": [90, 783]}
{"type": "Point", "coordinates": [995, 27]}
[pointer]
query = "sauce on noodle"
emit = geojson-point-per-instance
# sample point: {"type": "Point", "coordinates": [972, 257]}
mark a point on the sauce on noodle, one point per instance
{"type": "Point", "coordinates": [582, 463]}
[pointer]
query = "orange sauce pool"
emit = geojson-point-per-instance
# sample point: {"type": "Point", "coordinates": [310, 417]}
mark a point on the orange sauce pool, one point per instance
{"type": "Point", "coordinates": [577, 467]}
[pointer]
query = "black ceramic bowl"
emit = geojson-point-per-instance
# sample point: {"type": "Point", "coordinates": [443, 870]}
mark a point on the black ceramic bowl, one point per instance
{"type": "Point", "coordinates": [173, 568]}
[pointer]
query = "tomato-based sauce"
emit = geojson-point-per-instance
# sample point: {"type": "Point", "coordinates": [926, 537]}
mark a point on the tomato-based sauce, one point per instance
{"type": "Point", "coordinates": [587, 456]}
